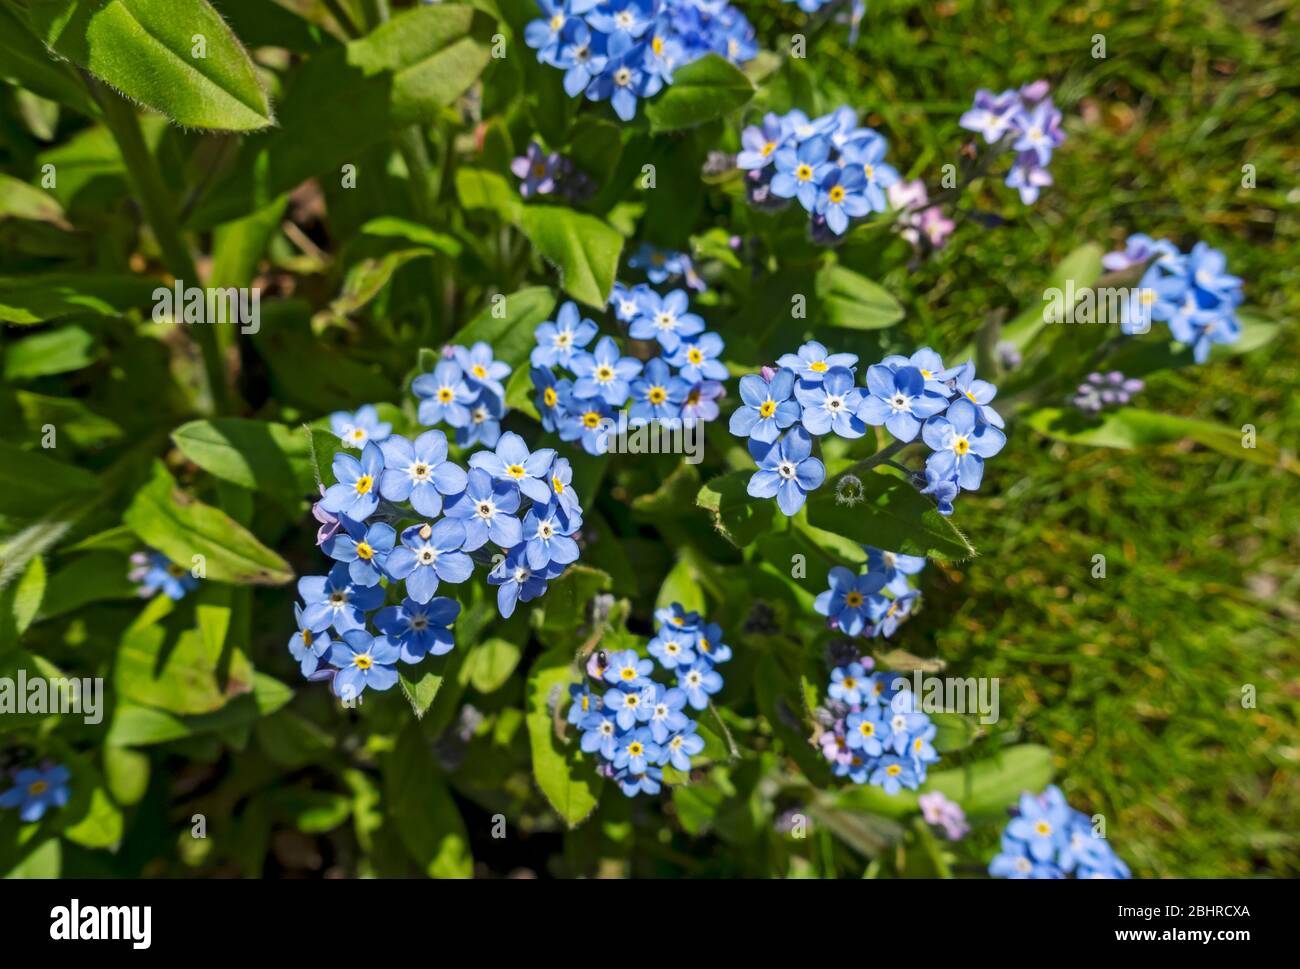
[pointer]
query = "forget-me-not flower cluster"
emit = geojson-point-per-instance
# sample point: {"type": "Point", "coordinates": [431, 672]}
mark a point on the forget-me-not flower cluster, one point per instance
{"type": "Point", "coordinates": [1028, 123]}
{"type": "Point", "coordinates": [403, 522]}
{"type": "Point", "coordinates": [1192, 292]}
{"type": "Point", "coordinates": [662, 265]}
{"type": "Point", "coordinates": [637, 725]}
{"type": "Point", "coordinates": [540, 173]}
{"type": "Point", "coordinates": [597, 380]}
{"type": "Point", "coordinates": [623, 51]}
{"type": "Point", "coordinates": [466, 391]}
{"type": "Point", "coordinates": [833, 166]}
{"type": "Point", "coordinates": [876, 735]}
{"type": "Point", "coordinates": [1049, 839]}
{"type": "Point", "coordinates": [875, 602]}
{"type": "Point", "coordinates": [814, 392]}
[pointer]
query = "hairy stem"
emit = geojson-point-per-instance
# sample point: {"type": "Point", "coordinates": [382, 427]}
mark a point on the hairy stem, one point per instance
{"type": "Point", "coordinates": [159, 209]}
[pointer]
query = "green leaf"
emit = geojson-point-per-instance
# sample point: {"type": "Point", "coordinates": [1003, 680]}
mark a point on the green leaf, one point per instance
{"type": "Point", "coordinates": [126, 774]}
{"type": "Point", "coordinates": [181, 527]}
{"type": "Point", "coordinates": [1132, 427]}
{"type": "Point", "coordinates": [889, 513]}
{"type": "Point", "coordinates": [568, 780]}
{"type": "Point", "coordinates": [391, 227]}
{"type": "Point", "coordinates": [1080, 269]}
{"type": "Point", "coordinates": [147, 50]}
{"type": "Point", "coordinates": [681, 584]}
{"type": "Point", "coordinates": [258, 455]}
{"type": "Point", "coordinates": [308, 372]}
{"type": "Point", "coordinates": [345, 99]}
{"type": "Point", "coordinates": [422, 685]}
{"type": "Point", "coordinates": [431, 54]}
{"type": "Point", "coordinates": [19, 200]}
{"type": "Point", "coordinates": [584, 248]}
{"type": "Point", "coordinates": [491, 663]}
{"type": "Point", "coordinates": [20, 602]}
{"type": "Point", "coordinates": [703, 90]}
{"type": "Point", "coordinates": [737, 516]}
{"type": "Point", "coordinates": [60, 350]}
{"type": "Point", "coordinates": [508, 324]}
{"type": "Point", "coordinates": [89, 578]}
{"type": "Point", "coordinates": [479, 188]}
{"type": "Point", "coordinates": [45, 861]}
{"type": "Point", "coordinates": [367, 278]}
{"type": "Point", "coordinates": [1140, 357]}
{"type": "Point", "coordinates": [30, 482]}
{"type": "Point", "coordinates": [421, 804]}
{"type": "Point", "coordinates": [184, 671]}
{"type": "Point", "coordinates": [854, 302]}
{"type": "Point", "coordinates": [136, 726]}
{"type": "Point", "coordinates": [101, 825]}
{"type": "Point", "coordinates": [24, 62]}
{"type": "Point", "coordinates": [42, 297]}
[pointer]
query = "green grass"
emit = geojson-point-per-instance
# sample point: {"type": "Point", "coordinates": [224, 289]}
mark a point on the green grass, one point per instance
{"type": "Point", "coordinates": [1135, 681]}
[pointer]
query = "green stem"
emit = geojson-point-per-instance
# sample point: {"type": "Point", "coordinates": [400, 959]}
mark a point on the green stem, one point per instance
{"type": "Point", "coordinates": [866, 464]}
{"type": "Point", "coordinates": [159, 210]}
{"type": "Point", "coordinates": [410, 142]}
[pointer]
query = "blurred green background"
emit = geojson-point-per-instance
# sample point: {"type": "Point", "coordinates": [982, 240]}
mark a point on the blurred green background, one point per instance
{"type": "Point", "coordinates": [1134, 681]}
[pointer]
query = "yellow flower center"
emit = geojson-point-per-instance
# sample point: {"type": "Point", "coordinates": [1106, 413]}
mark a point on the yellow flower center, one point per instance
{"type": "Point", "coordinates": [868, 170]}
{"type": "Point", "coordinates": [557, 21]}
{"type": "Point", "coordinates": [657, 45]}
{"type": "Point", "coordinates": [893, 770]}
{"type": "Point", "coordinates": [635, 748]}
{"type": "Point", "coordinates": [558, 485]}
{"type": "Point", "coordinates": [803, 173]}
{"type": "Point", "coordinates": [37, 788]}
{"type": "Point", "coordinates": [549, 397]}
{"type": "Point", "coordinates": [769, 148]}
{"type": "Point", "coordinates": [364, 484]}
{"type": "Point", "coordinates": [867, 728]}
{"type": "Point", "coordinates": [767, 408]}
{"type": "Point", "coordinates": [706, 645]}
{"type": "Point", "coordinates": [445, 395]}
{"type": "Point", "coordinates": [961, 446]}
{"type": "Point", "coordinates": [362, 661]}
{"type": "Point", "coordinates": [604, 373]}
{"type": "Point", "coordinates": [539, 170]}
{"type": "Point", "coordinates": [818, 366]}
{"type": "Point", "coordinates": [628, 673]}
{"type": "Point", "coordinates": [1043, 828]}
{"type": "Point", "coordinates": [364, 551]}
{"type": "Point", "coordinates": [478, 370]}
{"type": "Point", "coordinates": [853, 600]}
{"type": "Point", "coordinates": [306, 637]}
{"type": "Point", "coordinates": [591, 419]}
{"type": "Point", "coordinates": [515, 471]}
{"type": "Point", "coordinates": [836, 194]}
{"type": "Point", "coordinates": [657, 395]}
